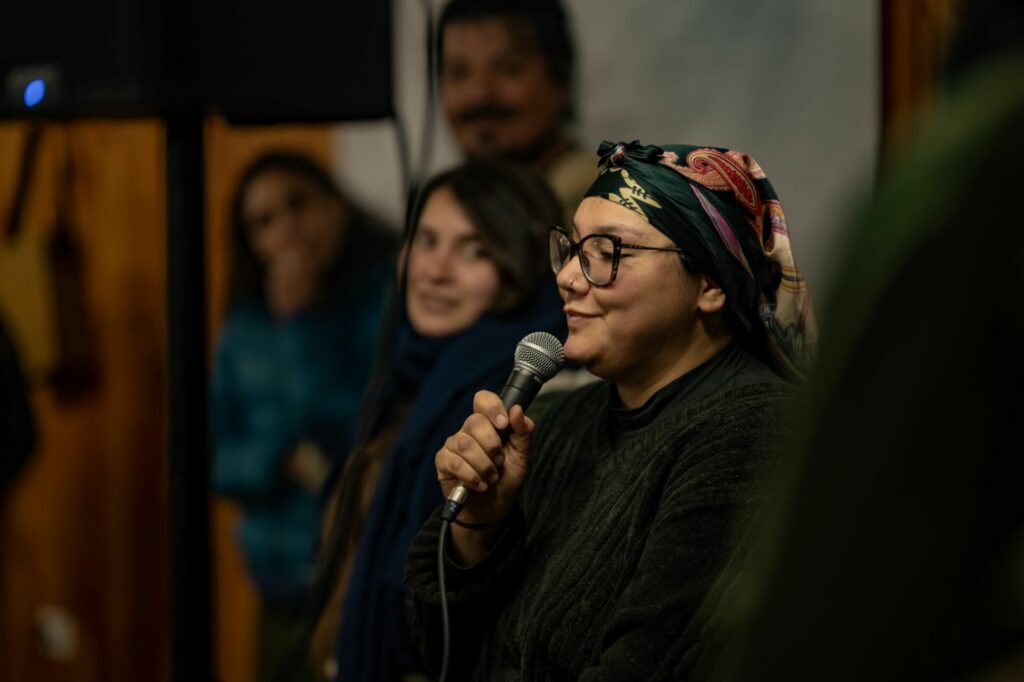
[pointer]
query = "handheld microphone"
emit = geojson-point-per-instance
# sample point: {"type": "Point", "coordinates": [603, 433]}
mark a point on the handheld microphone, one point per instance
{"type": "Point", "coordinates": [539, 357]}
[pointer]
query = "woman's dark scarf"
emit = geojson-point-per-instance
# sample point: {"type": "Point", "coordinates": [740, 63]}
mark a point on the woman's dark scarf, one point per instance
{"type": "Point", "coordinates": [718, 206]}
{"type": "Point", "coordinates": [439, 377]}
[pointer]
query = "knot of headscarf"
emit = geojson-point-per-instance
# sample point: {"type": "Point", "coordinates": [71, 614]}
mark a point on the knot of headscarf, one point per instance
{"type": "Point", "coordinates": [614, 153]}
{"type": "Point", "coordinates": [718, 206]}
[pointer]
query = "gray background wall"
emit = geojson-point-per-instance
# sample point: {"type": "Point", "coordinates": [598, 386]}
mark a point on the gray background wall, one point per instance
{"type": "Point", "coordinates": [794, 83]}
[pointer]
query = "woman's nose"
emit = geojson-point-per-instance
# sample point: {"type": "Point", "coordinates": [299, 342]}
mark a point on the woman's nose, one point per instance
{"type": "Point", "coordinates": [570, 277]}
{"type": "Point", "coordinates": [437, 264]}
{"type": "Point", "coordinates": [286, 226]}
{"type": "Point", "coordinates": [275, 236]}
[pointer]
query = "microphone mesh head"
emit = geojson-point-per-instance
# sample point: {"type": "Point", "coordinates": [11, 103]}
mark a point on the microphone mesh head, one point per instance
{"type": "Point", "coordinates": [542, 353]}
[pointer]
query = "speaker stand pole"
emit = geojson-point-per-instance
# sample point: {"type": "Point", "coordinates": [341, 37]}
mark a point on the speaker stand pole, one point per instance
{"type": "Point", "coordinates": [188, 446]}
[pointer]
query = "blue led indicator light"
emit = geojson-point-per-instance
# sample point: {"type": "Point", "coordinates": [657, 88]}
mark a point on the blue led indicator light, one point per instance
{"type": "Point", "coordinates": [34, 92]}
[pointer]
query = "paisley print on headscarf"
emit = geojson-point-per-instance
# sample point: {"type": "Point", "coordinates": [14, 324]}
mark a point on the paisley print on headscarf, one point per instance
{"type": "Point", "coordinates": [732, 171]}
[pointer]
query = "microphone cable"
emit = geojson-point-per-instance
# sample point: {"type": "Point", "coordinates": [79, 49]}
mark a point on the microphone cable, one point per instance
{"type": "Point", "coordinates": [412, 178]}
{"type": "Point", "coordinates": [539, 357]}
{"type": "Point", "coordinates": [445, 628]}
{"type": "Point", "coordinates": [430, 105]}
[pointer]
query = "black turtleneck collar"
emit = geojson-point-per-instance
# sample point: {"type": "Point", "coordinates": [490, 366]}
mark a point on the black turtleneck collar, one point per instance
{"type": "Point", "coordinates": [729, 368]}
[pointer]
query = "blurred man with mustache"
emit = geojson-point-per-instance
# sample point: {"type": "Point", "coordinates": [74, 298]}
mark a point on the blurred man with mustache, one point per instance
{"type": "Point", "coordinates": [506, 70]}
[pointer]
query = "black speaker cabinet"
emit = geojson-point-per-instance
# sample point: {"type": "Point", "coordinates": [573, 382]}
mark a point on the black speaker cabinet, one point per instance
{"type": "Point", "coordinates": [255, 61]}
{"type": "Point", "coordinates": [304, 60]}
{"type": "Point", "coordinates": [64, 58]}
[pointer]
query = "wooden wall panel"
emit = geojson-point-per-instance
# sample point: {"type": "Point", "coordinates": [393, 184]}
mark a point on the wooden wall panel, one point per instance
{"type": "Point", "coordinates": [916, 36]}
{"type": "Point", "coordinates": [85, 526]}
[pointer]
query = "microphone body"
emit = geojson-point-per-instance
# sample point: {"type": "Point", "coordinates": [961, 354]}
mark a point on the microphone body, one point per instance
{"type": "Point", "coordinates": [521, 388]}
{"type": "Point", "coordinates": [539, 357]}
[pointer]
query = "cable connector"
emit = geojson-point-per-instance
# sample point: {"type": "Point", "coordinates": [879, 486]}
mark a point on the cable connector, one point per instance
{"type": "Point", "coordinates": [455, 502]}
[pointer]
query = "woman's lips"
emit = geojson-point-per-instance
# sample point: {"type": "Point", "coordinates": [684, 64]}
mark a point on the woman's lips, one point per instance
{"type": "Point", "coordinates": [436, 304]}
{"type": "Point", "coordinates": [573, 315]}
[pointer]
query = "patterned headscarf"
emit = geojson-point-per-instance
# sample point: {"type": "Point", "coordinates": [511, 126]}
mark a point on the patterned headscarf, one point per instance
{"type": "Point", "coordinates": [718, 206]}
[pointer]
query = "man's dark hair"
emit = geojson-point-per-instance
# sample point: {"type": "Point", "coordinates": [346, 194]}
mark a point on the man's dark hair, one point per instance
{"type": "Point", "coordinates": [544, 20]}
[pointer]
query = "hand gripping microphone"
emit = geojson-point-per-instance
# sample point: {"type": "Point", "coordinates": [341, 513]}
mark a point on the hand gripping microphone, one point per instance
{"type": "Point", "coordinates": [539, 357]}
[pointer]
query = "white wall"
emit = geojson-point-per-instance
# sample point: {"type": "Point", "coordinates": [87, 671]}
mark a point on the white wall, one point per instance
{"type": "Point", "coordinates": [794, 83]}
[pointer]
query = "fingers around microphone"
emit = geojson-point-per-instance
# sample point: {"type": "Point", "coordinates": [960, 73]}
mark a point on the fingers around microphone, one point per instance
{"type": "Point", "coordinates": [452, 467]}
{"type": "Point", "coordinates": [463, 457]}
{"type": "Point", "coordinates": [482, 430]}
{"type": "Point", "coordinates": [521, 424]}
{"type": "Point", "coordinates": [489, 404]}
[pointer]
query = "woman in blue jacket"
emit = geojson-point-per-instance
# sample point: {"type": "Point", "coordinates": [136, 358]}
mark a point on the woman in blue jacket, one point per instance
{"type": "Point", "coordinates": [310, 274]}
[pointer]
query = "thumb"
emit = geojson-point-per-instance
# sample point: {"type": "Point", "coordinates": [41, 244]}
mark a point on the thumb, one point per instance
{"type": "Point", "coordinates": [521, 431]}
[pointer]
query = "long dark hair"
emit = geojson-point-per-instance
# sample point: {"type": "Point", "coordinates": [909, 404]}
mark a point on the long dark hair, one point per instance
{"type": "Point", "coordinates": [367, 241]}
{"type": "Point", "coordinates": [512, 211]}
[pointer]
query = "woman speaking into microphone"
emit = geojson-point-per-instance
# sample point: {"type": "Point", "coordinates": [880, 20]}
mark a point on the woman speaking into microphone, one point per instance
{"type": "Point", "coordinates": [588, 548]}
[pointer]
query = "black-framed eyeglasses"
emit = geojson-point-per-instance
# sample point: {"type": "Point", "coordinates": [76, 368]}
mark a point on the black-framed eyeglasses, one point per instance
{"type": "Point", "coordinates": [599, 254]}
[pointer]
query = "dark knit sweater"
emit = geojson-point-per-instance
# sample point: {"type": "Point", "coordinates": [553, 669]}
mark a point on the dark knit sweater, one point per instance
{"type": "Point", "coordinates": [602, 573]}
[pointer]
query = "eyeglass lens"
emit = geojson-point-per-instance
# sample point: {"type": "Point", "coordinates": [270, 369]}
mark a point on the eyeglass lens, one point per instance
{"type": "Point", "coordinates": [597, 256]}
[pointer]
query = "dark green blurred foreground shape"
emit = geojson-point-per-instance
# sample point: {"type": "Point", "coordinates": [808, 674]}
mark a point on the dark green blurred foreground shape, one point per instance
{"type": "Point", "coordinates": [900, 552]}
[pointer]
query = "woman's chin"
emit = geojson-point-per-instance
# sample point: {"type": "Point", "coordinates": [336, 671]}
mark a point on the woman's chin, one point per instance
{"type": "Point", "coordinates": [576, 351]}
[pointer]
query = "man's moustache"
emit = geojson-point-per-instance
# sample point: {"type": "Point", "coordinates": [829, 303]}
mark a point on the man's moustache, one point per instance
{"type": "Point", "coordinates": [488, 113]}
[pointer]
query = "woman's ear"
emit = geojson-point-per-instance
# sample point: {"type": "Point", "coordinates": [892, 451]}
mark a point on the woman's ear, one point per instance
{"type": "Point", "coordinates": [710, 297]}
